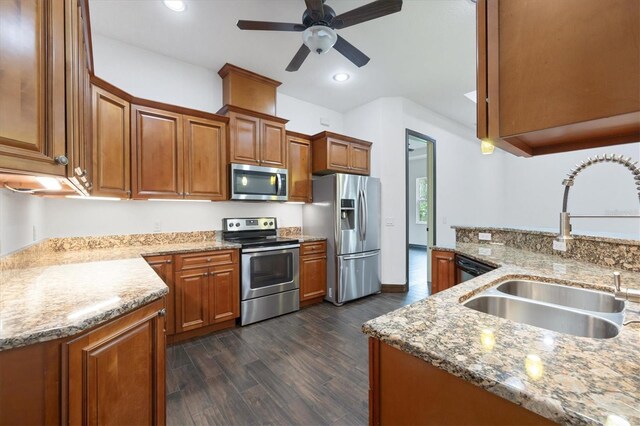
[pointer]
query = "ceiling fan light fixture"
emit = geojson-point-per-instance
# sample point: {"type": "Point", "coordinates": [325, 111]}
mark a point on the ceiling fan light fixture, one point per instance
{"type": "Point", "coordinates": [319, 38]}
{"type": "Point", "coordinates": [175, 5]}
{"type": "Point", "coordinates": [341, 76]}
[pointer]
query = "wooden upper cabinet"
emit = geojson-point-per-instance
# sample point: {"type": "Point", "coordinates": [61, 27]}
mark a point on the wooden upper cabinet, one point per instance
{"type": "Point", "coordinates": [255, 139]}
{"type": "Point", "coordinates": [299, 161]}
{"type": "Point", "coordinates": [551, 89]}
{"type": "Point", "coordinates": [111, 145]}
{"type": "Point", "coordinates": [116, 373]}
{"type": "Point", "coordinates": [443, 275]}
{"type": "Point", "coordinates": [205, 172]}
{"type": "Point", "coordinates": [273, 148]}
{"type": "Point", "coordinates": [79, 105]}
{"type": "Point", "coordinates": [342, 154]}
{"type": "Point", "coordinates": [32, 87]}
{"type": "Point", "coordinates": [244, 143]}
{"type": "Point", "coordinates": [157, 153]}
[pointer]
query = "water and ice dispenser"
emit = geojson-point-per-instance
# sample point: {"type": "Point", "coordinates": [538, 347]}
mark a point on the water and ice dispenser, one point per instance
{"type": "Point", "coordinates": [347, 214]}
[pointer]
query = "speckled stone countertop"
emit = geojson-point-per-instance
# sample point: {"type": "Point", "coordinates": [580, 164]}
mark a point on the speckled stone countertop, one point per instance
{"type": "Point", "coordinates": [568, 379]}
{"type": "Point", "coordinates": [61, 293]}
{"type": "Point", "coordinates": [306, 238]}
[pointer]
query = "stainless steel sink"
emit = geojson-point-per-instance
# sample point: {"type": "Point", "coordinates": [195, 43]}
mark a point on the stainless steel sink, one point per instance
{"type": "Point", "coordinates": [545, 316]}
{"type": "Point", "coordinates": [573, 297]}
{"type": "Point", "coordinates": [570, 310]}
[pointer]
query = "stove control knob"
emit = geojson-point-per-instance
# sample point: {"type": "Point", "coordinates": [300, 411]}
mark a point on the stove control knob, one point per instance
{"type": "Point", "coordinates": [271, 223]}
{"type": "Point", "coordinates": [237, 224]}
{"type": "Point", "coordinates": [231, 225]}
{"type": "Point", "coordinates": [265, 223]}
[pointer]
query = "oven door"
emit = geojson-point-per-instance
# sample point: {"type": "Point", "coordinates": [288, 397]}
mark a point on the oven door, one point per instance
{"type": "Point", "coordinates": [269, 270]}
{"type": "Point", "coordinates": [258, 183]}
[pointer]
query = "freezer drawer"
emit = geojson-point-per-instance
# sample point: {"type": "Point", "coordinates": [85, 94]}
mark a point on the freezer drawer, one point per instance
{"type": "Point", "coordinates": [358, 276]}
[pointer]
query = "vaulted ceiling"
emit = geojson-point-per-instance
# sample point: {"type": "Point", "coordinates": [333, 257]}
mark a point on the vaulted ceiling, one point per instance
{"type": "Point", "coordinates": [425, 53]}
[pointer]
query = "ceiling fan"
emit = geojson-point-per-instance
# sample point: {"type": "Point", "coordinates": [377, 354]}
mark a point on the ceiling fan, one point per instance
{"type": "Point", "coordinates": [319, 23]}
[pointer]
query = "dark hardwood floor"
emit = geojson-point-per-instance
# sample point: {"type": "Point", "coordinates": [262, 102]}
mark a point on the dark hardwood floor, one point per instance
{"type": "Point", "coordinates": [305, 368]}
{"type": "Point", "coordinates": [418, 268]}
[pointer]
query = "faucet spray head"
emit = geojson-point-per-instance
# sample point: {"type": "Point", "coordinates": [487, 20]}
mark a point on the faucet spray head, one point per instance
{"type": "Point", "coordinates": [616, 281]}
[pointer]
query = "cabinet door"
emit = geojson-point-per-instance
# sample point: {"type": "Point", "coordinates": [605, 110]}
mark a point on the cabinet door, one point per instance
{"type": "Point", "coordinates": [192, 299]}
{"type": "Point", "coordinates": [111, 145]}
{"type": "Point", "coordinates": [273, 149]}
{"type": "Point", "coordinates": [32, 86]}
{"type": "Point", "coordinates": [359, 158]}
{"type": "Point", "coordinates": [338, 155]}
{"type": "Point", "coordinates": [244, 137]}
{"type": "Point", "coordinates": [299, 166]}
{"type": "Point", "coordinates": [163, 265]}
{"type": "Point", "coordinates": [443, 275]}
{"type": "Point", "coordinates": [157, 153]}
{"type": "Point", "coordinates": [224, 293]}
{"type": "Point", "coordinates": [116, 372]}
{"type": "Point", "coordinates": [205, 171]}
{"type": "Point", "coordinates": [313, 277]}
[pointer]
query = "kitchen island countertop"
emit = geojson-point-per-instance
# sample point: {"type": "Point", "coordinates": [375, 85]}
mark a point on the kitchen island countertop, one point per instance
{"type": "Point", "coordinates": [577, 380]}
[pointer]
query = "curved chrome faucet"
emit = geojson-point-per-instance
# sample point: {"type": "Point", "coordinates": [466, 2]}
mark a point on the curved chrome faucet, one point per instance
{"type": "Point", "coordinates": [565, 217]}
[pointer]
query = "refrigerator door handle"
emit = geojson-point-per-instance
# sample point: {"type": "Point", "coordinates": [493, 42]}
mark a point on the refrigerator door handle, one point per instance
{"type": "Point", "coordinates": [366, 214]}
{"type": "Point", "coordinates": [361, 256]}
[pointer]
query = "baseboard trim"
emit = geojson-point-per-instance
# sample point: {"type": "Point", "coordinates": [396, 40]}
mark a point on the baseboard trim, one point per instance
{"type": "Point", "coordinates": [394, 288]}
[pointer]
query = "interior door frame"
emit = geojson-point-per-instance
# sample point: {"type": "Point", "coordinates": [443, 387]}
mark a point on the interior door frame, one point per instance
{"type": "Point", "coordinates": [408, 134]}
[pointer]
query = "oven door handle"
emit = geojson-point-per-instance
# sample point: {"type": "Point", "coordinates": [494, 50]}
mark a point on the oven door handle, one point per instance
{"type": "Point", "coordinates": [271, 248]}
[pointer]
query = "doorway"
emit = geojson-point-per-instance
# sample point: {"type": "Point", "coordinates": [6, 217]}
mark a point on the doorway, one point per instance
{"type": "Point", "coordinates": [420, 208]}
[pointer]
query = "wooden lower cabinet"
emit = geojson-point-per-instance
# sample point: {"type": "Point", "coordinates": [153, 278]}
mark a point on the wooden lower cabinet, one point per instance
{"type": "Point", "coordinates": [116, 373]}
{"type": "Point", "coordinates": [163, 265]}
{"type": "Point", "coordinates": [405, 390]}
{"type": "Point", "coordinates": [443, 274]}
{"type": "Point", "coordinates": [206, 296]}
{"type": "Point", "coordinates": [313, 272]}
{"type": "Point", "coordinates": [112, 374]}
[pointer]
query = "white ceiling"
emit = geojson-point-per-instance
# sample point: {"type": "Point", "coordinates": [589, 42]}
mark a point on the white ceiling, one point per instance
{"type": "Point", "coordinates": [425, 53]}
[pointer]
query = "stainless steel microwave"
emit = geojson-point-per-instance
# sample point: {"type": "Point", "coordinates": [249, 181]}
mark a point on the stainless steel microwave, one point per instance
{"type": "Point", "coordinates": [258, 183]}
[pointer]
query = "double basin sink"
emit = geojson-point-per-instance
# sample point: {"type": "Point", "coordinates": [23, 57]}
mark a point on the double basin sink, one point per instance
{"type": "Point", "coordinates": [561, 308]}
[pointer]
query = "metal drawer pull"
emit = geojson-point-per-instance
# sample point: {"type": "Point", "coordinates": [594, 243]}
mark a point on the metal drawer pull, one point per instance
{"type": "Point", "coordinates": [162, 312]}
{"type": "Point", "coordinates": [205, 274]}
{"type": "Point", "coordinates": [208, 259]}
{"type": "Point", "coordinates": [168, 260]}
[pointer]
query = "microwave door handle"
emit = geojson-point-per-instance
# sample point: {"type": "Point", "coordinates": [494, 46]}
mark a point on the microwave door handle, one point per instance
{"type": "Point", "coordinates": [278, 183]}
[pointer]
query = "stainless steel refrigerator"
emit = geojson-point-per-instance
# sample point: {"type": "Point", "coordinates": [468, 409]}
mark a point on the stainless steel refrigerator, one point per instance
{"type": "Point", "coordinates": [346, 210]}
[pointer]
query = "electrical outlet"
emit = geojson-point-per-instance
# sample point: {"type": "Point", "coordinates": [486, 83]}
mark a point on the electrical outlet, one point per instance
{"type": "Point", "coordinates": [560, 245]}
{"type": "Point", "coordinates": [444, 220]}
{"type": "Point", "coordinates": [35, 235]}
{"type": "Point", "coordinates": [484, 236]}
{"type": "Point", "coordinates": [388, 221]}
{"type": "Point", "coordinates": [484, 251]}
{"type": "Point", "coordinates": [157, 227]}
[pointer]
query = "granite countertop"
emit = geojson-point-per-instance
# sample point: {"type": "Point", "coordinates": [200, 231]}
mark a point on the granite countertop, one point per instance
{"type": "Point", "coordinates": [62, 293]}
{"type": "Point", "coordinates": [575, 380]}
{"type": "Point", "coordinates": [306, 238]}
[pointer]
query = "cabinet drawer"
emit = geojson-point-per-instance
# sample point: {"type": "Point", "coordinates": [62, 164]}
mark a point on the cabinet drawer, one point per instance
{"type": "Point", "coordinates": [205, 259]}
{"type": "Point", "coordinates": [316, 247]}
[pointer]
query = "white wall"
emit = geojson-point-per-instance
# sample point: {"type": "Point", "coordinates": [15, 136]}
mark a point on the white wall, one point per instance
{"type": "Point", "coordinates": [417, 169]}
{"type": "Point", "coordinates": [21, 220]}
{"type": "Point", "coordinates": [534, 191]}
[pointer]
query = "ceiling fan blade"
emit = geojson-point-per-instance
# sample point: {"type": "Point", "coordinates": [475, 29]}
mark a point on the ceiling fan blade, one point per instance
{"type": "Point", "coordinates": [315, 8]}
{"type": "Point", "coordinates": [370, 11]}
{"type": "Point", "coordinates": [269, 26]}
{"type": "Point", "coordinates": [350, 52]}
{"type": "Point", "coordinates": [299, 58]}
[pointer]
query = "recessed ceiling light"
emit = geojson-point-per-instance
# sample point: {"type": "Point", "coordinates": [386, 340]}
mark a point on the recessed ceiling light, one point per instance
{"type": "Point", "coordinates": [49, 183]}
{"type": "Point", "coordinates": [472, 96]}
{"type": "Point", "coordinates": [341, 76]}
{"type": "Point", "coordinates": [175, 5]}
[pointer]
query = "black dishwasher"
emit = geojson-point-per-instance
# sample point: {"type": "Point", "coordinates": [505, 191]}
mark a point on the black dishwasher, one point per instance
{"type": "Point", "coordinates": [469, 268]}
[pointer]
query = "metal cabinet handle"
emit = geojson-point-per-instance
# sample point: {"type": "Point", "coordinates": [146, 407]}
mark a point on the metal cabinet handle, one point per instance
{"type": "Point", "coordinates": [208, 259]}
{"type": "Point", "coordinates": [62, 160]}
{"type": "Point", "coordinates": [205, 274]}
{"type": "Point", "coordinates": [162, 312]}
{"type": "Point", "coordinates": [168, 260]}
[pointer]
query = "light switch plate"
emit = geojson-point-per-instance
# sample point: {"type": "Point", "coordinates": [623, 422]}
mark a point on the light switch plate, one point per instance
{"type": "Point", "coordinates": [388, 221]}
{"type": "Point", "coordinates": [484, 236]}
{"type": "Point", "coordinates": [560, 245]}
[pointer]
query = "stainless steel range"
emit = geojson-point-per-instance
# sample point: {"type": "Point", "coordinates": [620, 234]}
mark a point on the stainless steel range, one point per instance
{"type": "Point", "coordinates": [269, 283]}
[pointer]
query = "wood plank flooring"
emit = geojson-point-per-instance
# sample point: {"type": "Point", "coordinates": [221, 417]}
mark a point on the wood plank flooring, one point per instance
{"type": "Point", "coordinates": [305, 368]}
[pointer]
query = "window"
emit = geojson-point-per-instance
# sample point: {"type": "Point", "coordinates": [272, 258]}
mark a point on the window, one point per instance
{"type": "Point", "coordinates": [422, 213]}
